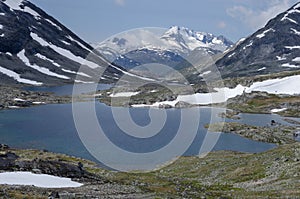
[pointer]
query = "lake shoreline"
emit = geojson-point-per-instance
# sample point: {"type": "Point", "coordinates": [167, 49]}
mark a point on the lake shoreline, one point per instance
{"type": "Point", "coordinates": [18, 97]}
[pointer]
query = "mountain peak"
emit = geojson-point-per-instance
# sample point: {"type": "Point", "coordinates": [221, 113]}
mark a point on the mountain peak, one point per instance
{"type": "Point", "coordinates": [193, 39]}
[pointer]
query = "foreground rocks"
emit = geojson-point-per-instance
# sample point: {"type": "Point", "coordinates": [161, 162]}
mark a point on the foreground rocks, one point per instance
{"type": "Point", "coordinates": [96, 184]}
{"type": "Point", "coordinates": [221, 174]}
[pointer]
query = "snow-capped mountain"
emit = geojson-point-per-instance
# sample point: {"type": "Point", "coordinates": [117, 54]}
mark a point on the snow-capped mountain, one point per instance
{"type": "Point", "coordinates": [273, 48]}
{"type": "Point", "coordinates": [187, 40]}
{"type": "Point", "coordinates": [36, 49]}
{"type": "Point", "coordinates": [163, 46]}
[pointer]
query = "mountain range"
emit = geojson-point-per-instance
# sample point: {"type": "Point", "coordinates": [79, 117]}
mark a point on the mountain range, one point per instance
{"type": "Point", "coordinates": [37, 49]}
{"type": "Point", "coordinates": [156, 45]}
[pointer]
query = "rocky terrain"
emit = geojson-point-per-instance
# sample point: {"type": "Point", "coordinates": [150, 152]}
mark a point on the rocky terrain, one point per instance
{"type": "Point", "coordinates": [16, 97]}
{"type": "Point", "coordinates": [274, 133]}
{"type": "Point", "coordinates": [221, 174]}
{"type": "Point", "coordinates": [96, 184]}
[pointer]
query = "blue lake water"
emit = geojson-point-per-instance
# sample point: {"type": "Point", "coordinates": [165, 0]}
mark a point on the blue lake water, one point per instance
{"type": "Point", "coordinates": [52, 127]}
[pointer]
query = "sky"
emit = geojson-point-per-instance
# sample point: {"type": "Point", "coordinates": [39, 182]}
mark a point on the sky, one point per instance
{"type": "Point", "coordinates": [96, 20]}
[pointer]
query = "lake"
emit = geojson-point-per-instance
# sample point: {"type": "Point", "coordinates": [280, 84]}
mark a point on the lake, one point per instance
{"type": "Point", "coordinates": [52, 127]}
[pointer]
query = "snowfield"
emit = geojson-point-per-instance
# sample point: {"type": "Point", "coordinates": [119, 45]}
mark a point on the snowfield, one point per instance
{"type": "Point", "coordinates": [38, 180]}
{"type": "Point", "coordinates": [287, 85]}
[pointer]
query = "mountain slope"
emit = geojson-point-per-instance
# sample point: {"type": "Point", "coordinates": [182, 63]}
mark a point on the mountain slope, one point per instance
{"type": "Point", "coordinates": [274, 48]}
{"type": "Point", "coordinates": [36, 49]}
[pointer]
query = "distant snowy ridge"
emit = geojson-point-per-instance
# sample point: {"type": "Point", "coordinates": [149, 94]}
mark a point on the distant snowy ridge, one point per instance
{"type": "Point", "coordinates": [187, 39]}
{"type": "Point", "coordinates": [176, 39]}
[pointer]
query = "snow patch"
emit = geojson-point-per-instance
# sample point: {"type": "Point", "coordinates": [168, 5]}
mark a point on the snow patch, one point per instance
{"type": "Point", "coordinates": [280, 58]}
{"type": "Point", "coordinates": [65, 42]}
{"type": "Point", "coordinates": [264, 33]}
{"type": "Point", "coordinates": [13, 107]}
{"type": "Point", "coordinates": [32, 12]}
{"type": "Point", "coordinates": [297, 6]}
{"type": "Point", "coordinates": [17, 77]}
{"type": "Point", "coordinates": [14, 4]}
{"type": "Point", "coordinates": [241, 40]}
{"type": "Point", "coordinates": [47, 59]}
{"type": "Point", "coordinates": [297, 59]}
{"type": "Point", "coordinates": [229, 56]}
{"type": "Point", "coordinates": [217, 41]}
{"type": "Point", "coordinates": [278, 110]}
{"type": "Point", "coordinates": [204, 73]}
{"type": "Point", "coordinates": [19, 100]}
{"type": "Point", "coordinates": [80, 44]}
{"type": "Point", "coordinates": [43, 70]}
{"type": "Point", "coordinates": [64, 52]}
{"type": "Point", "coordinates": [77, 73]}
{"type": "Point", "coordinates": [292, 47]}
{"type": "Point", "coordinates": [124, 94]}
{"type": "Point", "coordinates": [250, 44]}
{"type": "Point", "coordinates": [295, 31]}
{"type": "Point", "coordinates": [38, 180]}
{"type": "Point", "coordinates": [53, 24]}
{"type": "Point", "coordinates": [289, 19]}
{"type": "Point", "coordinates": [289, 65]}
{"type": "Point", "coordinates": [285, 17]}
{"type": "Point", "coordinates": [263, 68]}
{"type": "Point", "coordinates": [38, 103]}
{"type": "Point", "coordinates": [83, 82]}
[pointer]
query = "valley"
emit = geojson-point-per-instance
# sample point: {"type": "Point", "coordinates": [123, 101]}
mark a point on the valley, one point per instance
{"type": "Point", "coordinates": [149, 112]}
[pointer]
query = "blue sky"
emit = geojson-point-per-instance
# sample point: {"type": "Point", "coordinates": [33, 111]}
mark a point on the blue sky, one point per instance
{"type": "Point", "coordinates": [96, 20]}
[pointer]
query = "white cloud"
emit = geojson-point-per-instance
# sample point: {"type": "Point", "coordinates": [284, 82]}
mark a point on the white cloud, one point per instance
{"type": "Point", "coordinates": [258, 18]}
{"type": "Point", "coordinates": [120, 2]}
{"type": "Point", "coordinates": [221, 25]}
